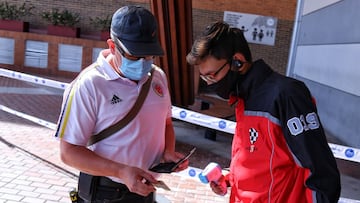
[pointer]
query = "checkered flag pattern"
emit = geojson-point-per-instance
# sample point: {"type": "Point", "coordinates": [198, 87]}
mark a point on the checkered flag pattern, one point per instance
{"type": "Point", "coordinates": [253, 135]}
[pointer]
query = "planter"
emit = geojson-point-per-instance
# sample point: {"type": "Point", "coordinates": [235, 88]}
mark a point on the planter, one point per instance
{"type": "Point", "coordinates": [14, 25]}
{"type": "Point", "coordinates": [63, 31]}
{"type": "Point", "coordinates": [104, 35]}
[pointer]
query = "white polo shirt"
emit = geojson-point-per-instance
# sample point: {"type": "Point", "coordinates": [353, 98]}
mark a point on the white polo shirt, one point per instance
{"type": "Point", "coordinates": [99, 97]}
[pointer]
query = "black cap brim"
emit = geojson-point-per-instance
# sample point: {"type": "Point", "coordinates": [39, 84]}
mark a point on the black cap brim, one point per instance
{"type": "Point", "coordinates": [142, 49]}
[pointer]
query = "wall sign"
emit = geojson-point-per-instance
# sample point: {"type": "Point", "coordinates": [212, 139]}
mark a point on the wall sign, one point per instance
{"type": "Point", "coordinates": [257, 29]}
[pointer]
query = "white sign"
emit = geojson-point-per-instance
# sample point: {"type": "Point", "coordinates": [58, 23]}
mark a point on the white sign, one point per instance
{"type": "Point", "coordinates": [257, 29]}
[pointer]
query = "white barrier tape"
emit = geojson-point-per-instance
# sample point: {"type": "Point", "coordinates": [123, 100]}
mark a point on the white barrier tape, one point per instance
{"type": "Point", "coordinates": [28, 117]}
{"type": "Point", "coordinates": [346, 200]}
{"type": "Point", "coordinates": [203, 120]}
{"type": "Point", "coordinates": [342, 152]}
{"type": "Point", "coordinates": [190, 172]}
{"type": "Point", "coordinates": [339, 151]}
{"type": "Point", "coordinates": [32, 79]}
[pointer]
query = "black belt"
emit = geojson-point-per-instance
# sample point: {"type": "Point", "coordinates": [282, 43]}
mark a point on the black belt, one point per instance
{"type": "Point", "coordinates": [107, 182]}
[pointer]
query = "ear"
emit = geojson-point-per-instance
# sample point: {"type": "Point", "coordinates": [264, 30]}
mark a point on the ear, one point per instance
{"type": "Point", "coordinates": [240, 64]}
{"type": "Point", "coordinates": [237, 62]}
{"type": "Point", "coordinates": [239, 56]}
{"type": "Point", "coordinates": [111, 45]}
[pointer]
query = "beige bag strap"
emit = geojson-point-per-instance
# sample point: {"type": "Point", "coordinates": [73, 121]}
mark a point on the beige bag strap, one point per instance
{"type": "Point", "coordinates": [127, 118]}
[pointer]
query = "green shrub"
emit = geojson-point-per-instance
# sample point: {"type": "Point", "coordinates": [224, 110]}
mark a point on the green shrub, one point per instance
{"type": "Point", "coordinates": [102, 24]}
{"type": "Point", "coordinates": [14, 12]}
{"type": "Point", "coordinates": [57, 17]}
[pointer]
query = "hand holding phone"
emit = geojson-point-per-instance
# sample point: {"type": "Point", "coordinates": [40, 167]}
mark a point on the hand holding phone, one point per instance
{"type": "Point", "coordinates": [169, 167]}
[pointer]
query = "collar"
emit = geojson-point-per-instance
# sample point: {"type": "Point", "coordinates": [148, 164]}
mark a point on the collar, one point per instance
{"type": "Point", "coordinates": [104, 66]}
{"type": "Point", "coordinates": [258, 72]}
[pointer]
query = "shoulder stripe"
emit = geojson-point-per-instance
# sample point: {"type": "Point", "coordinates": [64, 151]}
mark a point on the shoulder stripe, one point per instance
{"type": "Point", "coordinates": [263, 114]}
{"type": "Point", "coordinates": [65, 114]}
{"type": "Point", "coordinates": [64, 117]}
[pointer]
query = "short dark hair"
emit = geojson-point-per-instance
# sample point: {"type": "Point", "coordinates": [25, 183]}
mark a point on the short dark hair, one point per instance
{"type": "Point", "coordinates": [220, 41]}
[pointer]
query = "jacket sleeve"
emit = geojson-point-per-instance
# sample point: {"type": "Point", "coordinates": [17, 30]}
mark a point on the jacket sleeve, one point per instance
{"type": "Point", "coordinates": [306, 139]}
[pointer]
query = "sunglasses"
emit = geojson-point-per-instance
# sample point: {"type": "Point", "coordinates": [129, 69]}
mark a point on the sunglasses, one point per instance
{"type": "Point", "coordinates": [131, 57]}
{"type": "Point", "coordinates": [210, 78]}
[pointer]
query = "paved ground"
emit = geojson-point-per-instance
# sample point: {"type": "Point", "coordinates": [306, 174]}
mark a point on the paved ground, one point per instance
{"type": "Point", "coordinates": [30, 169]}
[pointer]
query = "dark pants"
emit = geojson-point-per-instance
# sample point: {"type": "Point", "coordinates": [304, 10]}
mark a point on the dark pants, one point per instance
{"type": "Point", "coordinates": [108, 191]}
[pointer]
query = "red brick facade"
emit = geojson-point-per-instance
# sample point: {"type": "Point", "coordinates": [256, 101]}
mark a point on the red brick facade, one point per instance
{"type": "Point", "coordinates": [204, 12]}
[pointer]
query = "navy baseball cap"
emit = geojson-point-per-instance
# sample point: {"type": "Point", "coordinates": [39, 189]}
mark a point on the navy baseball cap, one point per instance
{"type": "Point", "coordinates": [134, 28]}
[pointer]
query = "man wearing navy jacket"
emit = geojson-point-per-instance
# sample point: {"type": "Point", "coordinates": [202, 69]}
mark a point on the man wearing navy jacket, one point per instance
{"type": "Point", "coordinates": [279, 151]}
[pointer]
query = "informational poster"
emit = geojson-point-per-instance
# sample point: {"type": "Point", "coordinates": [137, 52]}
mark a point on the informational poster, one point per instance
{"type": "Point", "coordinates": [257, 29]}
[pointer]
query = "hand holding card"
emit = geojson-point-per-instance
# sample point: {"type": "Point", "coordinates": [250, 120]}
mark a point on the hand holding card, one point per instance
{"type": "Point", "coordinates": [161, 184]}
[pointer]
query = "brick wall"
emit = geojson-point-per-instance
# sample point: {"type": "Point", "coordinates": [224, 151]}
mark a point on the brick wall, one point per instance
{"type": "Point", "coordinates": [283, 9]}
{"type": "Point", "coordinates": [204, 12]}
{"type": "Point", "coordinates": [86, 9]}
{"type": "Point", "coordinates": [53, 42]}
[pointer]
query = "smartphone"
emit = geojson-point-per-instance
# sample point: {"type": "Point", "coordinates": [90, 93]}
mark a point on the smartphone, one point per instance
{"type": "Point", "coordinates": [170, 166]}
{"type": "Point", "coordinates": [184, 159]}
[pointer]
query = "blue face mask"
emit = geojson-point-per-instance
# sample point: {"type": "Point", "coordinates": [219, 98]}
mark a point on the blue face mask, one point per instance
{"type": "Point", "coordinates": [135, 70]}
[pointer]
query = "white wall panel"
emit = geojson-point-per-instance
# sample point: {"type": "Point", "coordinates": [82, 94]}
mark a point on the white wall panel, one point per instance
{"type": "Point", "coordinates": [70, 58]}
{"type": "Point", "coordinates": [335, 65]}
{"type": "Point", "coordinates": [313, 5]}
{"type": "Point", "coordinates": [7, 50]}
{"type": "Point", "coordinates": [95, 53]}
{"type": "Point", "coordinates": [36, 54]}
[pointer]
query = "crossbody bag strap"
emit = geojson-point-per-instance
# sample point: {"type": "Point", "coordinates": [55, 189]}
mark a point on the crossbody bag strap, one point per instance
{"type": "Point", "coordinates": [129, 116]}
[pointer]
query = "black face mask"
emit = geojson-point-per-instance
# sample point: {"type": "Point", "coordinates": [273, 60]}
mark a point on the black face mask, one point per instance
{"type": "Point", "coordinates": [226, 86]}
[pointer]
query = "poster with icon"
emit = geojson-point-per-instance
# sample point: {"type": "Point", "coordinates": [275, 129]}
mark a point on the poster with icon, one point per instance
{"type": "Point", "coordinates": [257, 29]}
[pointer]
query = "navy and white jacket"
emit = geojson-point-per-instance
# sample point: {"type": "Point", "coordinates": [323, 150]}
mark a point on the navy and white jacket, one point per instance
{"type": "Point", "coordinates": [279, 152]}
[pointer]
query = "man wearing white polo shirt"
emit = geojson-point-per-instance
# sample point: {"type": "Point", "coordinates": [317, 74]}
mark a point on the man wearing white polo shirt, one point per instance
{"type": "Point", "coordinates": [103, 94]}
